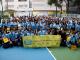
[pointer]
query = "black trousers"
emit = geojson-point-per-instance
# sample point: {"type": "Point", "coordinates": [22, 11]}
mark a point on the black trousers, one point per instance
{"type": "Point", "coordinates": [0, 42]}
{"type": "Point", "coordinates": [6, 45]}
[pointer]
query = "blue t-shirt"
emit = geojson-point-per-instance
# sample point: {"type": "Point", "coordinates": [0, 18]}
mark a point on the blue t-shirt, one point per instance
{"type": "Point", "coordinates": [57, 26]}
{"type": "Point", "coordinates": [51, 25]}
{"type": "Point", "coordinates": [43, 25]}
{"type": "Point", "coordinates": [12, 36]}
{"type": "Point", "coordinates": [73, 25]}
{"type": "Point", "coordinates": [22, 24]}
{"type": "Point", "coordinates": [38, 26]}
{"type": "Point", "coordinates": [42, 32]}
{"type": "Point", "coordinates": [0, 25]}
{"type": "Point", "coordinates": [69, 25]}
{"type": "Point", "coordinates": [73, 39]}
{"type": "Point", "coordinates": [8, 24]}
{"type": "Point", "coordinates": [4, 24]}
{"type": "Point", "coordinates": [12, 24]}
{"type": "Point", "coordinates": [77, 27]}
{"type": "Point", "coordinates": [54, 25]}
{"type": "Point", "coordinates": [7, 35]}
{"type": "Point", "coordinates": [28, 33]}
{"type": "Point", "coordinates": [28, 24]}
{"type": "Point", "coordinates": [33, 25]}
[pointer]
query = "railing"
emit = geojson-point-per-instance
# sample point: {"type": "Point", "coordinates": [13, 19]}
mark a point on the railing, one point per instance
{"type": "Point", "coordinates": [68, 15]}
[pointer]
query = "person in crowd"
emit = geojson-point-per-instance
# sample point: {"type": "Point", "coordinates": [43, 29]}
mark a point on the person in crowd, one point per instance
{"type": "Point", "coordinates": [13, 38]}
{"type": "Point", "coordinates": [6, 42]}
{"type": "Point", "coordinates": [0, 39]}
{"type": "Point", "coordinates": [39, 25]}
{"type": "Point", "coordinates": [64, 37]}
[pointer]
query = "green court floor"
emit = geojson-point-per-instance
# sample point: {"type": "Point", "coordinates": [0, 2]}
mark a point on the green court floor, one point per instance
{"type": "Point", "coordinates": [64, 53]}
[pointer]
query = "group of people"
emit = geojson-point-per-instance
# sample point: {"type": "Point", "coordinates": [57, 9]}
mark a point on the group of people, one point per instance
{"type": "Point", "coordinates": [13, 29]}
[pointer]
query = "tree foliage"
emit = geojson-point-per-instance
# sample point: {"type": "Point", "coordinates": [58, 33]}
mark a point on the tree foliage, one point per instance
{"type": "Point", "coordinates": [56, 2]}
{"type": "Point", "coordinates": [77, 3]}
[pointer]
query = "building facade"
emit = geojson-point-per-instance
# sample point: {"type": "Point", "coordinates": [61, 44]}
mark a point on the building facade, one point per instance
{"type": "Point", "coordinates": [29, 7]}
{"type": "Point", "coordinates": [21, 7]}
{"type": "Point", "coordinates": [41, 7]}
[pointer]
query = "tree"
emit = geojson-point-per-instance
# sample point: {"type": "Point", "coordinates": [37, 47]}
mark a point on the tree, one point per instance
{"type": "Point", "coordinates": [50, 2]}
{"type": "Point", "coordinates": [73, 4]}
{"type": "Point", "coordinates": [77, 3]}
{"type": "Point", "coordinates": [10, 12]}
{"type": "Point", "coordinates": [58, 3]}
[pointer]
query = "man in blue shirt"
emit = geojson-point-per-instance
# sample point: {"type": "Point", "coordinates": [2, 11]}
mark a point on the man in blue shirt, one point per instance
{"type": "Point", "coordinates": [33, 25]}
{"type": "Point", "coordinates": [13, 38]}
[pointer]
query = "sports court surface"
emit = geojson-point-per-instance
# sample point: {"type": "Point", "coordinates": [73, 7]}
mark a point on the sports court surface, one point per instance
{"type": "Point", "coordinates": [18, 53]}
{"type": "Point", "coordinates": [64, 53]}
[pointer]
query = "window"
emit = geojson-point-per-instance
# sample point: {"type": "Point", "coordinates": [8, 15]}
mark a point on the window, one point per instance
{"type": "Point", "coordinates": [9, 0]}
{"type": "Point", "coordinates": [23, 6]}
{"type": "Point", "coordinates": [38, 0]}
{"type": "Point", "coordinates": [10, 6]}
{"type": "Point", "coordinates": [22, 0]}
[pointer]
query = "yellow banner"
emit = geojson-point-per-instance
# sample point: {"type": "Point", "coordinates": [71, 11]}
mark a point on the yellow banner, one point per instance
{"type": "Point", "coordinates": [42, 41]}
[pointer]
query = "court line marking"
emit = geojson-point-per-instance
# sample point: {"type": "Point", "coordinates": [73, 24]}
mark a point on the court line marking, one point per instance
{"type": "Point", "coordinates": [51, 53]}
